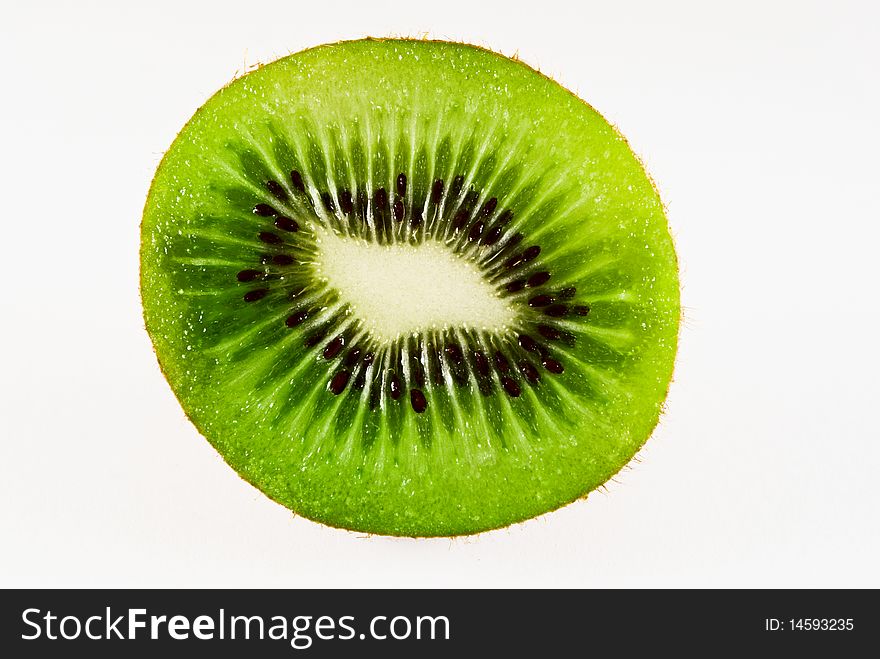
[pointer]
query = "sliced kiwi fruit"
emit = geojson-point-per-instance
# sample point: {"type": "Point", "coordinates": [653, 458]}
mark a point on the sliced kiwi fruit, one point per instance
{"type": "Point", "coordinates": [410, 288]}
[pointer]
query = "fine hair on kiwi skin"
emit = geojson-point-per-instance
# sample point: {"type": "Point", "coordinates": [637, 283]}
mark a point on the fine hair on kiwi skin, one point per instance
{"type": "Point", "coordinates": [291, 366]}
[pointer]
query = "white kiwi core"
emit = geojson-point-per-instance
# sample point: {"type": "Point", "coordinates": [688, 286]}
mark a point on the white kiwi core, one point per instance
{"type": "Point", "coordinates": [401, 289]}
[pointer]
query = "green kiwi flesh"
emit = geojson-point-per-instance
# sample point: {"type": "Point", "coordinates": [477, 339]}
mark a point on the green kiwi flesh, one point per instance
{"type": "Point", "coordinates": [403, 149]}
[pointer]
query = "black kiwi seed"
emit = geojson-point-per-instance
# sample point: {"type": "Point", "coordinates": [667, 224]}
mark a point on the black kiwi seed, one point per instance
{"type": "Point", "coordinates": [345, 202]}
{"type": "Point", "coordinates": [295, 319]}
{"type": "Point", "coordinates": [510, 386]}
{"type": "Point", "coordinates": [286, 223]}
{"type": "Point", "coordinates": [489, 207]}
{"type": "Point", "coordinates": [538, 279]}
{"type": "Point", "coordinates": [493, 235]}
{"type": "Point", "coordinates": [264, 210]}
{"type": "Point", "coordinates": [582, 310]}
{"type": "Point", "coordinates": [476, 230]}
{"type": "Point", "coordinates": [249, 275]}
{"type": "Point", "coordinates": [528, 343]}
{"type": "Point", "coordinates": [516, 285]}
{"type": "Point", "coordinates": [327, 200]}
{"type": "Point", "coordinates": [501, 363]}
{"type": "Point", "coordinates": [368, 358]}
{"type": "Point", "coordinates": [453, 352]}
{"type": "Point", "coordinates": [461, 218]}
{"type": "Point", "coordinates": [482, 363]}
{"type": "Point", "coordinates": [529, 371]}
{"type": "Point", "coordinates": [548, 332]}
{"type": "Point", "coordinates": [418, 401]}
{"type": "Point", "coordinates": [256, 294]}
{"type": "Point", "coordinates": [297, 180]}
{"type": "Point", "coordinates": [269, 238]}
{"type": "Point", "coordinates": [552, 365]}
{"type": "Point", "coordinates": [394, 381]}
{"type": "Point", "coordinates": [380, 198]}
{"type": "Point", "coordinates": [276, 190]}
{"type": "Point", "coordinates": [416, 219]}
{"type": "Point", "coordinates": [351, 359]}
{"type": "Point", "coordinates": [556, 310]}
{"type": "Point", "coordinates": [282, 259]}
{"type": "Point", "coordinates": [401, 184]}
{"type": "Point", "coordinates": [526, 255]}
{"type": "Point", "coordinates": [337, 384]}
{"type": "Point", "coordinates": [437, 191]}
{"type": "Point", "coordinates": [398, 209]}
{"type": "Point", "coordinates": [540, 301]}
{"type": "Point", "coordinates": [566, 293]}
{"type": "Point", "coordinates": [334, 347]}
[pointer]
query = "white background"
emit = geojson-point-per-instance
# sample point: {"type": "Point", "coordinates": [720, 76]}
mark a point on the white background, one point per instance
{"type": "Point", "coordinates": [759, 122]}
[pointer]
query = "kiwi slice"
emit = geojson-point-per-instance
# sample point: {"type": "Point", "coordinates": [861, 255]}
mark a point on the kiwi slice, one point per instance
{"type": "Point", "coordinates": [410, 288]}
